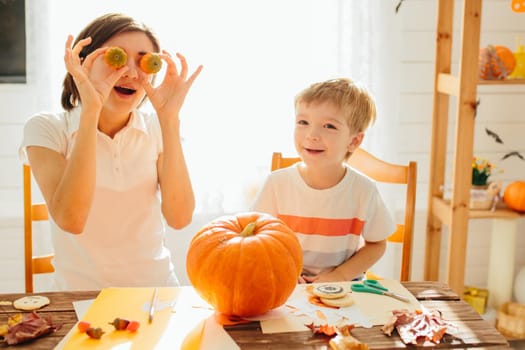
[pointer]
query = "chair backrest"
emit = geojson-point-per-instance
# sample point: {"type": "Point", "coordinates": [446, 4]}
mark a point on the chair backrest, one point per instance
{"type": "Point", "coordinates": [33, 212]}
{"type": "Point", "coordinates": [385, 172]}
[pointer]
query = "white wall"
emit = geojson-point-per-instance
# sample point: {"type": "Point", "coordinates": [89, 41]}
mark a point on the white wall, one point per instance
{"type": "Point", "coordinates": [501, 109]}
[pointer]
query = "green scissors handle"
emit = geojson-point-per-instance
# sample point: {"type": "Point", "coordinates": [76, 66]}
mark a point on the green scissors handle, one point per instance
{"type": "Point", "coordinates": [372, 286]}
{"type": "Point", "coordinates": [375, 284]}
{"type": "Point", "coordinates": [363, 288]}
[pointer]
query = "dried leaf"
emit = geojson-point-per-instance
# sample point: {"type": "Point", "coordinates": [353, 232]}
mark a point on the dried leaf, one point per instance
{"type": "Point", "coordinates": [15, 319]}
{"type": "Point", "coordinates": [325, 329]}
{"type": "Point", "coordinates": [417, 327]}
{"type": "Point", "coordinates": [31, 327]}
{"type": "Point", "coordinates": [344, 340]}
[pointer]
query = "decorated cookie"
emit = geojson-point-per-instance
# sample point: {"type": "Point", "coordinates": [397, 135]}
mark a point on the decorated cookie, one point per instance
{"type": "Point", "coordinates": [32, 302]}
{"type": "Point", "coordinates": [330, 291]}
{"type": "Point", "coordinates": [343, 301]}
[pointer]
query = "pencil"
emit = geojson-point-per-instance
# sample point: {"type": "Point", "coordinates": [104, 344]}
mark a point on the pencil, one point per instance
{"type": "Point", "coordinates": [153, 304]}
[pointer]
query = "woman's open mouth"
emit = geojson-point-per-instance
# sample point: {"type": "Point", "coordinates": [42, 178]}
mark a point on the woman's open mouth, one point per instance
{"type": "Point", "coordinates": [124, 91]}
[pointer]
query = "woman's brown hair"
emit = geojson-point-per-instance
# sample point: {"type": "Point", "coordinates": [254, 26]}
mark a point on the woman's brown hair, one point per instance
{"type": "Point", "coordinates": [101, 30]}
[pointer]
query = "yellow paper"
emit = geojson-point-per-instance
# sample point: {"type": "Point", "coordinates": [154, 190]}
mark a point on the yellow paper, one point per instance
{"type": "Point", "coordinates": [167, 331]}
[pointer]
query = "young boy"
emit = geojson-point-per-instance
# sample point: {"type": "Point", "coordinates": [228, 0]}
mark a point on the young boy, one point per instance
{"type": "Point", "coordinates": [337, 213]}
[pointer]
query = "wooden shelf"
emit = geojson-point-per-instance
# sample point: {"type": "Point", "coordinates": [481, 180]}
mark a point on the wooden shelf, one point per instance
{"type": "Point", "coordinates": [499, 213]}
{"type": "Point", "coordinates": [443, 211]}
{"type": "Point", "coordinates": [449, 84]}
{"type": "Point", "coordinates": [455, 213]}
{"type": "Point", "coordinates": [502, 82]}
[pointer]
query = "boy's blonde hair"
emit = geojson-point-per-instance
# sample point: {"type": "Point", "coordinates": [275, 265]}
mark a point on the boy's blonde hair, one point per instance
{"type": "Point", "coordinates": [354, 102]}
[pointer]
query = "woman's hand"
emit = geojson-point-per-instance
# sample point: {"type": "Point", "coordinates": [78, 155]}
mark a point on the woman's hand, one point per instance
{"type": "Point", "coordinates": [168, 97]}
{"type": "Point", "coordinates": [93, 92]}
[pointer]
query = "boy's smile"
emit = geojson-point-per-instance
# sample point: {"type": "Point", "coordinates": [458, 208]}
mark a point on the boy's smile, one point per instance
{"type": "Point", "coordinates": [313, 150]}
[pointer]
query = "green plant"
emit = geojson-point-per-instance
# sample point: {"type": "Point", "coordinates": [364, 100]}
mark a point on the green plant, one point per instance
{"type": "Point", "coordinates": [481, 170]}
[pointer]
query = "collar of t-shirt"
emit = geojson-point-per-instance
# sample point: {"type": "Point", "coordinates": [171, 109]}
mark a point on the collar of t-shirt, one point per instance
{"type": "Point", "coordinates": [136, 121]}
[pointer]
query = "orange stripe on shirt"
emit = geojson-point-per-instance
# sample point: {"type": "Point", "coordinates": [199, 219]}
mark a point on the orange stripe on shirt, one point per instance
{"type": "Point", "coordinates": [323, 226]}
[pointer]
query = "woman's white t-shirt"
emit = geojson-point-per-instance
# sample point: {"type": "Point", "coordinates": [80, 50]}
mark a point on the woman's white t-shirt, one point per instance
{"type": "Point", "coordinates": [123, 240]}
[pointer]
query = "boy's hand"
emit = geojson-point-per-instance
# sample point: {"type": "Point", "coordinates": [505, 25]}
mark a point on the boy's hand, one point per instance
{"type": "Point", "coordinates": [302, 280]}
{"type": "Point", "coordinates": [328, 276]}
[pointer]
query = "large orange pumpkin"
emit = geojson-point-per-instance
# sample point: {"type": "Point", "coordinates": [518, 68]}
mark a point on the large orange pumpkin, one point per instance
{"type": "Point", "coordinates": [244, 264]}
{"type": "Point", "coordinates": [496, 62]}
{"type": "Point", "coordinates": [514, 196]}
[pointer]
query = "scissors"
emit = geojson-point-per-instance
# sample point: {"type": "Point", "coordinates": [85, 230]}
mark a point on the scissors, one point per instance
{"type": "Point", "coordinates": [373, 286]}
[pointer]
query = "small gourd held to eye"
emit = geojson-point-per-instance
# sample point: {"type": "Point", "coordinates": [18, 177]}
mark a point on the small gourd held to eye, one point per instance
{"type": "Point", "coordinates": [116, 58]}
{"type": "Point", "coordinates": [150, 63]}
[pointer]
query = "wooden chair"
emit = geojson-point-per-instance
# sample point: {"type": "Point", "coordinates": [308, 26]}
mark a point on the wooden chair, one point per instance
{"type": "Point", "coordinates": [384, 172]}
{"type": "Point", "coordinates": [33, 212]}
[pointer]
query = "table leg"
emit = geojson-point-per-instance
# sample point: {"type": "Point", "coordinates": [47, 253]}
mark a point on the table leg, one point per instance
{"type": "Point", "coordinates": [501, 261]}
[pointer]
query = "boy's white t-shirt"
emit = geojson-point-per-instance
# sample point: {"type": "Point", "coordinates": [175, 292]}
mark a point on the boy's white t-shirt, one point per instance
{"type": "Point", "coordinates": [330, 223]}
{"type": "Point", "coordinates": [123, 240]}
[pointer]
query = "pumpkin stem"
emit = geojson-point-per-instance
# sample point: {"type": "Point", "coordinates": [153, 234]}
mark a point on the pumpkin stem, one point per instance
{"type": "Point", "coordinates": [248, 229]}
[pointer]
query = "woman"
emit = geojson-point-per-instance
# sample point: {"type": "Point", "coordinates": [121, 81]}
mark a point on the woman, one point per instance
{"type": "Point", "coordinates": [102, 162]}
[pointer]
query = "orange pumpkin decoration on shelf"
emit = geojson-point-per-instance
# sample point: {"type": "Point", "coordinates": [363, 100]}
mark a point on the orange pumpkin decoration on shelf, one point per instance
{"type": "Point", "coordinates": [496, 62]}
{"type": "Point", "coordinates": [518, 5]}
{"type": "Point", "coordinates": [244, 264]}
{"type": "Point", "coordinates": [514, 196]}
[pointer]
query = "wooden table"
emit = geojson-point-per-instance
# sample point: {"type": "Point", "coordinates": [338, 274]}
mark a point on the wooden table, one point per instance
{"type": "Point", "coordinates": [473, 331]}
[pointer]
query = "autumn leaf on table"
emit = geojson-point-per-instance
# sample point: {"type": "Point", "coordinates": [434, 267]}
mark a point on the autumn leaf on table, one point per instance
{"type": "Point", "coordinates": [344, 340]}
{"type": "Point", "coordinates": [30, 327]}
{"type": "Point", "coordinates": [417, 327]}
{"type": "Point", "coordinates": [325, 329]}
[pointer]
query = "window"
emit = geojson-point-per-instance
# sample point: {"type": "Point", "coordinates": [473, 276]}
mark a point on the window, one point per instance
{"type": "Point", "coordinates": [12, 41]}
